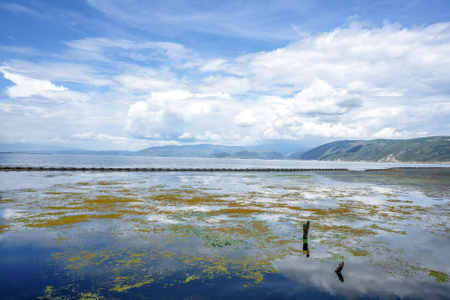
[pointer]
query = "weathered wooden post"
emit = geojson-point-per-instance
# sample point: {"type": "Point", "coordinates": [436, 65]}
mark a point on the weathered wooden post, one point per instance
{"type": "Point", "coordinates": [305, 231]}
{"type": "Point", "coordinates": [305, 238]}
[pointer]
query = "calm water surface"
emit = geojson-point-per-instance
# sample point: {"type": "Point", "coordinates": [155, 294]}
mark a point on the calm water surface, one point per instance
{"type": "Point", "coordinates": [107, 161]}
{"type": "Point", "coordinates": [203, 235]}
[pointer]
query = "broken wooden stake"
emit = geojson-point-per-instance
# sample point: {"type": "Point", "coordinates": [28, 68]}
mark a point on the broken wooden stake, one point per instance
{"type": "Point", "coordinates": [339, 268]}
{"type": "Point", "coordinates": [305, 230]}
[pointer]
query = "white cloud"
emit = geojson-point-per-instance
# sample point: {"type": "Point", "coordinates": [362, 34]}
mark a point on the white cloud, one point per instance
{"type": "Point", "coordinates": [230, 18]}
{"type": "Point", "coordinates": [145, 82]}
{"type": "Point", "coordinates": [26, 87]}
{"type": "Point", "coordinates": [185, 135]}
{"type": "Point", "coordinates": [111, 50]}
{"type": "Point", "coordinates": [388, 133]}
{"type": "Point", "coordinates": [16, 8]}
{"type": "Point", "coordinates": [329, 130]}
{"type": "Point", "coordinates": [208, 136]}
{"type": "Point", "coordinates": [400, 59]}
{"type": "Point", "coordinates": [322, 98]}
{"type": "Point", "coordinates": [60, 71]}
{"type": "Point", "coordinates": [230, 85]}
{"type": "Point", "coordinates": [85, 136]}
{"type": "Point", "coordinates": [180, 114]}
{"type": "Point", "coordinates": [214, 65]}
{"type": "Point", "coordinates": [245, 118]}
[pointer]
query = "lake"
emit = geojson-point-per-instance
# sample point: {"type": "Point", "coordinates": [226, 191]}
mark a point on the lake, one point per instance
{"type": "Point", "coordinates": [220, 235]}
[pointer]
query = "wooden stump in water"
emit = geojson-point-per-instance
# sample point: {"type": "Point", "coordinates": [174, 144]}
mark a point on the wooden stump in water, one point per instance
{"type": "Point", "coordinates": [305, 230]}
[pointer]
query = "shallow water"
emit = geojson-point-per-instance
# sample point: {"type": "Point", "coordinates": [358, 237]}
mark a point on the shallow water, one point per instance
{"type": "Point", "coordinates": [197, 235]}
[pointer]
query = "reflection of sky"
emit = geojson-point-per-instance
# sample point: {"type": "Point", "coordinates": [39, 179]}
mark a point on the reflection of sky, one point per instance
{"type": "Point", "coordinates": [35, 238]}
{"type": "Point", "coordinates": [358, 280]}
{"type": "Point", "coordinates": [420, 247]}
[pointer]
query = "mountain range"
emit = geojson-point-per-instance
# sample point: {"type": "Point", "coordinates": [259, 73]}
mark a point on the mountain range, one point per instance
{"type": "Point", "coordinates": [427, 149]}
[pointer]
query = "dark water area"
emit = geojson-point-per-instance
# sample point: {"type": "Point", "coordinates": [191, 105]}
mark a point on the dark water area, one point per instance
{"type": "Point", "coordinates": [206, 235]}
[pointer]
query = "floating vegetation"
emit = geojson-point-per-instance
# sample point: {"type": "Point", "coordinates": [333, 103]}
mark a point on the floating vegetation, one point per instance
{"type": "Point", "coordinates": [440, 276]}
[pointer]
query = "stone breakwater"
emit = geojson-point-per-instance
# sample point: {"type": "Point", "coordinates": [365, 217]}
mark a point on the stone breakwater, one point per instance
{"type": "Point", "coordinates": [88, 169]}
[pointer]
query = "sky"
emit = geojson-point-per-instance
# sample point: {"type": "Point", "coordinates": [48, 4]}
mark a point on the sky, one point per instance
{"type": "Point", "coordinates": [127, 75]}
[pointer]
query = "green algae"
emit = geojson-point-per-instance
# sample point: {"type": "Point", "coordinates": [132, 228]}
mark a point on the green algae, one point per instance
{"type": "Point", "coordinates": [90, 296]}
{"type": "Point", "coordinates": [6, 200]}
{"type": "Point", "coordinates": [440, 276]}
{"type": "Point", "coordinates": [49, 293]}
{"type": "Point", "coordinates": [70, 220]}
{"type": "Point", "coordinates": [122, 286]}
{"type": "Point", "coordinates": [3, 228]}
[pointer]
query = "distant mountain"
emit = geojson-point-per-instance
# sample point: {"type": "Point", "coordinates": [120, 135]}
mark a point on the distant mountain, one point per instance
{"type": "Point", "coordinates": [248, 154]}
{"type": "Point", "coordinates": [203, 150]}
{"type": "Point", "coordinates": [207, 150]}
{"type": "Point", "coordinates": [428, 149]}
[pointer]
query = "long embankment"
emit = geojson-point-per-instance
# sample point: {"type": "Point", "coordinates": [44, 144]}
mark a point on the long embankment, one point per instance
{"type": "Point", "coordinates": [94, 169]}
{"type": "Point", "coordinates": [87, 169]}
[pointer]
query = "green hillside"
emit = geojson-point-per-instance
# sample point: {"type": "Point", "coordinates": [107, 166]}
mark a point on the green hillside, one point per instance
{"type": "Point", "coordinates": [428, 149]}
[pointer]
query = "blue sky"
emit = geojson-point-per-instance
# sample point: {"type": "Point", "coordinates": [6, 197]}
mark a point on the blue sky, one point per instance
{"type": "Point", "coordinates": [132, 74]}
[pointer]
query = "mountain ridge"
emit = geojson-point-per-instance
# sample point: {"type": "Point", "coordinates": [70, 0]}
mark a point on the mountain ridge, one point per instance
{"type": "Point", "coordinates": [426, 149]}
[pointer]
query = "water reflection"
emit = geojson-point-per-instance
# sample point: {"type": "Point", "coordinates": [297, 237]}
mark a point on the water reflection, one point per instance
{"type": "Point", "coordinates": [339, 270]}
{"type": "Point", "coordinates": [132, 234]}
{"type": "Point", "coordinates": [361, 280]}
{"type": "Point", "coordinates": [306, 248]}
{"type": "Point", "coordinates": [339, 274]}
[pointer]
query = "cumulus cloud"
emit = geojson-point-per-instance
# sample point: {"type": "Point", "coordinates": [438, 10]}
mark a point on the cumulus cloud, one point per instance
{"type": "Point", "coordinates": [388, 132]}
{"type": "Point", "coordinates": [245, 118]}
{"type": "Point", "coordinates": [321, 98]}
{"type": "Point", "coordinates": [401, 59]}
{"type": "Point", "coordinates": [180, 114]}
{"type": "Point", "coordinates": [185, 116]}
